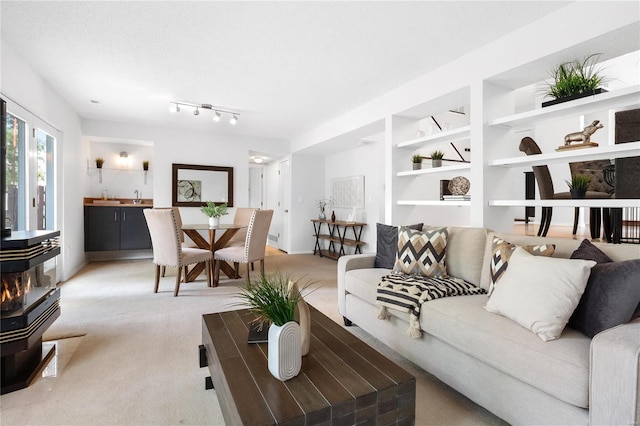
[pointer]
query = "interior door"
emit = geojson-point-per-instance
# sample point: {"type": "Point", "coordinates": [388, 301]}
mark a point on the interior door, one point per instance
{"type": "Point", "coordinates": [255, 188]}
{"type": "Point", "coordinates": [283, 205]}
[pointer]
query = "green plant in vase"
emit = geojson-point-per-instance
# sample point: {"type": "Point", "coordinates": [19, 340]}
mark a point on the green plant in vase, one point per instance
{"type": "Point", "coordinates": [214, 212]}
{"type": "Point", "coordinates": [417, 161]}
{"type": "Point", "coordinates": [274, 299]}
{"type": "Point", "coordinates": [574, 79]}
{"type": "Point", "coordinates": [436, 158]}
{"type": "Point", "coordinates": [578, 185]}
{"type": "Point", "coordinates": [99, 162]}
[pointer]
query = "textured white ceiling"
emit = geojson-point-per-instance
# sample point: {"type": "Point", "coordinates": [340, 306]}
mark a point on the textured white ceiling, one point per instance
{"type": "Point", "coordinates": [287, 67]}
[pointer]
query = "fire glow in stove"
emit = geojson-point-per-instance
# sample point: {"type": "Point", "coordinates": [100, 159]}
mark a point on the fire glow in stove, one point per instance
{"type": "Point", "coordinates": [30, 303]}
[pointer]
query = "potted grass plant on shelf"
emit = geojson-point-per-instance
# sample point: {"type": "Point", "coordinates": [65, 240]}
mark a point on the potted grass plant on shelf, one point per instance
{"type": "Point", "coordinates": [578, 186]}
{"type": "Point", "coordinates": [436, 158]}
{"type": "Point", "coordinates": [214, 212]}
{"type": "Point", "coordinates": [417, 161]}
{"type": "Point", "coordinates": [573, 80]}
{"type": "Point", "coordinates": [274, 299]}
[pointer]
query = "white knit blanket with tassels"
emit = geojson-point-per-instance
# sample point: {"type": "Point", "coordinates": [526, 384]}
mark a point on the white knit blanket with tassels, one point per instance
{"type": "Point", "coordinates": [407, 293]}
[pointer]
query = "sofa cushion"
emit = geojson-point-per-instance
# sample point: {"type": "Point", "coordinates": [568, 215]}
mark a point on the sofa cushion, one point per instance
{"type": "Point", "coordinates": [501, 251]}
{"type": "Point", "coordinates": [540, 293]}
{"type": "Point", "coordinates": [559, 367]}
{"type": "Point", "coordinates": [364, 283]}
{"type": "Point", "coordinates": [465, 248]}
{"type": "Point", "coordinates": [387, 244]}
{"type": "Point", "coordinates": [422, 253]}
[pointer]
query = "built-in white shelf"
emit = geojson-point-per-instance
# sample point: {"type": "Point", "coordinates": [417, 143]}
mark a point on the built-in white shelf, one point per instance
{"type": "Point", "coordinates": [446, 136]}
{"type": "Point", "coordinates": [622, 150]}
{"type": "Point", "coordinates": [606, 203]}
{"type": "Point", "coordinates": [450, 203]}
{"type": "Point", "coordinates": [443, 169]}
{"type": "Point", "coordinates": [618, 99]}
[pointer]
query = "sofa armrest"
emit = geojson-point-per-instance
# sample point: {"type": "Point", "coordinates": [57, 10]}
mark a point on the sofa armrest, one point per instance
{"type": "Point", "coordinates": [347, 263]}
{"type": "Point", "coordinates": [614, 397]}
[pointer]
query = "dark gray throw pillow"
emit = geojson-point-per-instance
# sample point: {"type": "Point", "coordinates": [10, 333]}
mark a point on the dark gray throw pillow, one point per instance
{"type": "Point", "coordinates": [587, 251]}
{"type": "Point", "coordinates": [611, 298]}
{"type": "Point", "coordinates": [387, 244]}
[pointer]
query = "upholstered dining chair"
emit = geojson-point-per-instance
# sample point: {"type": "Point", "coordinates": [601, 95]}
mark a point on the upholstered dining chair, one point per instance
{"type": "Point", "coordinates": [178, 217]}
{"type": "Point", "coordinates": [242, 217]}
{"type": "Point", "coordinates": [253, 248]}
{"type": "Point", "coordinates": [167, 249]}
{"type": "Point", "coordinates": [545, 188]}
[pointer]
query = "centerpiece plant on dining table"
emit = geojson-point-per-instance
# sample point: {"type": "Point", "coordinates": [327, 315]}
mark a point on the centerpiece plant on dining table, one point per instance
{"type": "Point", "coordinates": [214, 212]}
{"type": "Point", "coordinates": [274, 299]}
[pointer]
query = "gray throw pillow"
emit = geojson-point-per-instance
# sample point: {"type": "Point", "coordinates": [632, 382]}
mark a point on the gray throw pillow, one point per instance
{"type": "Point", "coordinates": [612, 295]}
{"type": "Point", "coordinates": [387, 244]}
{"type": "Point", "coordinates": [588, 251]}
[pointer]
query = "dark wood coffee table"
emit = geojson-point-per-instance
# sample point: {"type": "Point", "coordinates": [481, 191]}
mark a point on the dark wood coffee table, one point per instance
{"type": "Point", "coordinates": [343, 381]}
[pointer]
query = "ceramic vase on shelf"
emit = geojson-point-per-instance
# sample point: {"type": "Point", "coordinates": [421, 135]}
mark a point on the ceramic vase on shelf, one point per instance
{"type": "Point", "coordinates": [333, 216]}
{"type": "Point", "coordinates": [436, 163]}
{"type": "Point", "coordinates": [284, 350]}
{"type": "Point", "coordinates": [214, 221]}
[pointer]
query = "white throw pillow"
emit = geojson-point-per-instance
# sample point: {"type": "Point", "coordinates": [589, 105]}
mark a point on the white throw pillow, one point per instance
{"type": "Point", "coordinates": [540, 293]}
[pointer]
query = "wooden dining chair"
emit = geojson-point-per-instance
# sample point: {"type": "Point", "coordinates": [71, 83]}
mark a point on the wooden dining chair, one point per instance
{"type": "Point", "coordinates": [167, 249]}
{"type": "Point", "coordinates": [545, 187]}
{"type": "Point", "coordinates": [253, 248]}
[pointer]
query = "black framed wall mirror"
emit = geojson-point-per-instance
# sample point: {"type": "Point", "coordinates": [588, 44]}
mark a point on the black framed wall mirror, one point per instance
{"type": "Point", "coordinates": [194, 185]}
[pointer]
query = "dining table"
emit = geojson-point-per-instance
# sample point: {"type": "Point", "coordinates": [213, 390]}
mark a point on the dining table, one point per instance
{"type": "Point", "coordinates": [193, 231]}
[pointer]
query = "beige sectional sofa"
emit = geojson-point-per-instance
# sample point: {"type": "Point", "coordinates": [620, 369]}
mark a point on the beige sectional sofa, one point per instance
{"type": "Point", "coordinates": [495, 362]}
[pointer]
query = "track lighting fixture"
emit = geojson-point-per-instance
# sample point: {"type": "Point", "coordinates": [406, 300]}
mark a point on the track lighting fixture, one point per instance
{"type": "Point", "coordinates": [217, 112]}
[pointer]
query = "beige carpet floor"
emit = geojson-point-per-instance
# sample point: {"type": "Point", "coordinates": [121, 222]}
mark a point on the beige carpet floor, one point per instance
{"type": "Point", "coordinates": [127, 356]}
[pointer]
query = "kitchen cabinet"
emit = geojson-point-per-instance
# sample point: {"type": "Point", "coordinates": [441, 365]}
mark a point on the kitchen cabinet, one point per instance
{"type": "Point", "coordinates": [110, 228]}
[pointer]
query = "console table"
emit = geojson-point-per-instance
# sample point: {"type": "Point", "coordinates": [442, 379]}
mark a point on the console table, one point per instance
{"type": "Point", "coordinates": [336, 236]}
{"type": "Point", "coordinates": [343, 381]}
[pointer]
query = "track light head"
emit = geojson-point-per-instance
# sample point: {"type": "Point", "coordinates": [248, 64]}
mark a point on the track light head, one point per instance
{"type": "Point", "coordinates": [174, 108]}
{"type": "Point", "coordinates": [196, 111]}
{"type": "Point", "coordinates": [234, 119]}
{"type": "Point", "coordinates": [216, 116]}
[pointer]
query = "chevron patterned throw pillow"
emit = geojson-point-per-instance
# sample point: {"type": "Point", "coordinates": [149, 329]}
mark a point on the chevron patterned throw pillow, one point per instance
{"type": "Point", "coordinates": [422, 253]}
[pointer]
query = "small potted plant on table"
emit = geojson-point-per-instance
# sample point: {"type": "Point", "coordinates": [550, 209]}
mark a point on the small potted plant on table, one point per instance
{"type": "Point", "coordinates": [274, 299]}
{"type": "Point", "coordinates": [578, 186]}
{"type": "Point", "coordinates": [214, 211]}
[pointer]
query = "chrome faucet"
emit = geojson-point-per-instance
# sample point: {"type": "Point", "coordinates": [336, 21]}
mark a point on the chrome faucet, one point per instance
{"type": "Point", "coordinates": [138, 194]}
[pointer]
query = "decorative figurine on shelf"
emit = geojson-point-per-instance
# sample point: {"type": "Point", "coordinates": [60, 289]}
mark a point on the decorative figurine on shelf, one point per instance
{"type": "Point", "coordinates": [583, 137]}
{"type": "Point", "coordinates": [333, 216]}
{"type": "Point", "coordinates": [322, 205]}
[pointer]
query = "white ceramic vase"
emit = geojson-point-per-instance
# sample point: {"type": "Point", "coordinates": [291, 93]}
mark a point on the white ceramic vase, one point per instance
{"type": "Point", "coordinates": [285, 359]}
{"type": "Point", "coordinates": [214, 221]}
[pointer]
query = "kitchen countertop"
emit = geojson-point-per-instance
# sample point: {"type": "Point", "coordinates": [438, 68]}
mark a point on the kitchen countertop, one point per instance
{"type": "Point", "coordinates": [116, 202]}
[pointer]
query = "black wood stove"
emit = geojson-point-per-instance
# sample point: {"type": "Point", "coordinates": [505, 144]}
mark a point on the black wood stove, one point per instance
{"type": "Point", "coordinates": [30, 303]}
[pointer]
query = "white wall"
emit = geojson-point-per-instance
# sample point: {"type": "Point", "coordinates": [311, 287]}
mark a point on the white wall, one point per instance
{"type": "Point", "coordinates": [120, 178]}
{"type": "Point", "coordinates": [368, 161]}
{"type": "Point", "coordinates": [188, 147]}
{"type": "Point", "coordinates": [307, 187]}
{"type": "Point", "coordinates": [24, 86]}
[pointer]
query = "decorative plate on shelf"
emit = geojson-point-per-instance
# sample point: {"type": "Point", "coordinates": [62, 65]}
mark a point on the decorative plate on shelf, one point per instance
{"type": "Point", "coordinates": [459, 185]}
